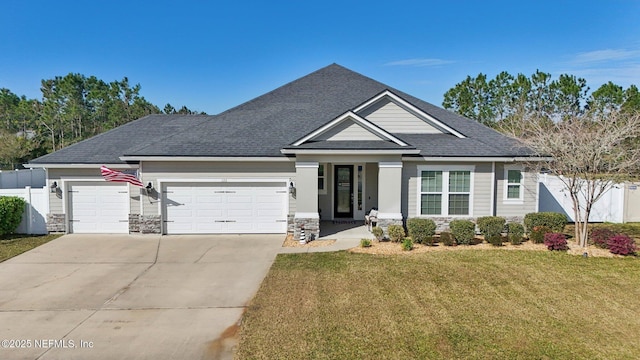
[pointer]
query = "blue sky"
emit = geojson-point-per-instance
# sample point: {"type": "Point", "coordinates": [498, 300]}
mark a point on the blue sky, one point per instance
{"type": "Point", "coordinates": [212, 55]}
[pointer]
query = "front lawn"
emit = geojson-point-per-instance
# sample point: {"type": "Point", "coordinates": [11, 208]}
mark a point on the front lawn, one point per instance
{"type": "Point", "coordinates": [445, 305]}
{"type": "Point", "coordinates": [13, 245]}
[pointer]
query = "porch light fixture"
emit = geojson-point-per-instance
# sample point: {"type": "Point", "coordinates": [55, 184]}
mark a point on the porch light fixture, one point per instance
{"type": "Point", "coordinates": [292, 187]}
{"type": "Point", "coordinates": [149, 186]}
{"type": "Point", "coordinates": [54, 187]}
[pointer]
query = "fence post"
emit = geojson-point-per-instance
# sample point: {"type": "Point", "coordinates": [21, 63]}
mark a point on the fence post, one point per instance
{"type": "Point", "coordinates": [29, 224]}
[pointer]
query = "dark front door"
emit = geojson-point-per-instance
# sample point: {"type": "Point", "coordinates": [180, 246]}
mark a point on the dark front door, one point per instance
{"type": "Point", "coordinates": [343, 191]}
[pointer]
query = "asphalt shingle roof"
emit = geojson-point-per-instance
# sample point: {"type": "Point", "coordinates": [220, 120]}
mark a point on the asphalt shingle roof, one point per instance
{"type": "Point", "coordinates": [265, 125]}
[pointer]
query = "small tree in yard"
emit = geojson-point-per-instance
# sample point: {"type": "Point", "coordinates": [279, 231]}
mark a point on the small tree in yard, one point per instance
{"type": "Point", "coordinates": [589, 152]}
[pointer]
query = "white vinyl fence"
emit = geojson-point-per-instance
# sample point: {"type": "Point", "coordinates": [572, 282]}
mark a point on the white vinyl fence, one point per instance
{"type": "Point", "coordinates": [35, 212]}
{"type": "Point", "coordinates": [18, 179]}
{"type": "Point", "coordinates": [554, 197]}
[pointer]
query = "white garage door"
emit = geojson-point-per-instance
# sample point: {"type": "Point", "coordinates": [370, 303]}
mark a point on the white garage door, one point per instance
{"type": "Point", "coordinates": [99, 208]}
{"type": "Point", "coordinates": [258, 208]}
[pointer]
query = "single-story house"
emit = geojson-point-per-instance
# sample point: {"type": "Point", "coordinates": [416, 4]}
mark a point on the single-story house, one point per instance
{"type": "Point", "coordinates": [329, 146]}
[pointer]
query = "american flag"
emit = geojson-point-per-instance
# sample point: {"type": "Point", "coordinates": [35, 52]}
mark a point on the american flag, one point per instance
{"type": "Point", "coordinates": [118, 176]}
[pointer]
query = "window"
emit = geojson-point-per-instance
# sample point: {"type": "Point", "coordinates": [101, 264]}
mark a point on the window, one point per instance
{"type": "Point", "coordinates": [513, 191]}
{"type": "Point", "coordinates": [322, 179]}
{"type": "Point", "coordinates": [445, 192]}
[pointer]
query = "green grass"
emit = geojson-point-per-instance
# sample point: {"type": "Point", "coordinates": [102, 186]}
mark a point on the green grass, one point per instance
{"type": "Point", "coordinates": [12, 245]}
{"type": "Point", "coordinates": [467, 304]}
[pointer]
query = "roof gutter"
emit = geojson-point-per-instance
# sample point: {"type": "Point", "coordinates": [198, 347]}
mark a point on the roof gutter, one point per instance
{"type": "Point", "coordinates": [348, 152]}
{"type": "Point", "coordinates": [81, 166]}
{"type": "Point", "coordinates": [506, 159]}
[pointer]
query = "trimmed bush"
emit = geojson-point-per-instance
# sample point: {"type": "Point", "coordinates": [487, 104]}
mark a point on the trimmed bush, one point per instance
{"type": "Point", "coordinates": [407, 244]}
{"type": "Point", "coordinates": [421, 230]}
{"type": "Point", "coordinates": [554, 221]}
{"type": "Point", "coordinates": [621, 245]}
{"type": "Point", "coordinates": [463, 230]}
{"type": "Point", "coordinates": [556, 241]}
{"type": "Point", "coordinates": [365, 243]}
{"type": "Point", "coordinates": [396, 233]}
{"type": "Point", "coordinates": [495, 240]}
{"type": "Point", "coordinates": [490, 226]}
{"type": "Point", "coordinates": [515, 232]}
{"type": "Point", "coordinates": [378, 232]}
{"type": "Point", "coordinates": [600, 237]}
{"type": "Point", "coordinates": [11, 209]}
{"type": "Point", "coordinates": [537, 234]}
{"type": "Point", "coordinates": [447, 239]}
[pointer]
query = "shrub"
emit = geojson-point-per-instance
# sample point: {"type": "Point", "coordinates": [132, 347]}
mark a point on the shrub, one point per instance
{"type": "Point", "coordinates": [463, 230]}
{"type": "Point", "coordinates": [552, 220]}
{"type": "Point", "coordinates": [11, 209]}
{"type": "Point", "coordinates": [396, 233]}
{"type": "Point", "coordinates": [495, 240]}
{"type": "Point", "coordinates": [600, 237]}
{"type": "Point", "coordinates": [378, 232]}
{"type": "Point", "coordinates": [621, 245]}
{"type": "Point", "coordinates": [515, 232]}
{"type": "Point", "coordinates": [407, 244]}
{"type": "Point", "coordinates": [537, 234]}
{"type": "Point", "coordinates": [421, 230]}
{"type": "Point", "coordinates": [447, 239]}
{"type": "Point", "coordinates": [365, 243]}
{"type": "Point", "coordinates": [556, 241]}
{"type": "Point", "coordinates": [490, 226]}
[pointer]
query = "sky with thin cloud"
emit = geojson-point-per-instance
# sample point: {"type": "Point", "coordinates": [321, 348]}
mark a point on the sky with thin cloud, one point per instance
{"type": "Point", "coordinates": [211, 55]}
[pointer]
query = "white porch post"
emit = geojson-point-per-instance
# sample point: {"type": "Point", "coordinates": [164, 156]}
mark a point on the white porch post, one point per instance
{"type": "Point", "coordinates": [389, 193]}
{"type": "Point", "coordinates": [306, 194]}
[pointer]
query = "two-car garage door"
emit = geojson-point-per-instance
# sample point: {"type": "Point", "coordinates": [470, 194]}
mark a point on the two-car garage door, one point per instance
{"type": "Point", "coordinates": [217, 208]}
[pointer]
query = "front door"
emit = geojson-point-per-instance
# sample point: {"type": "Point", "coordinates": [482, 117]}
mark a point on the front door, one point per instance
{"type": "Point", "coordinates": [343, 191]}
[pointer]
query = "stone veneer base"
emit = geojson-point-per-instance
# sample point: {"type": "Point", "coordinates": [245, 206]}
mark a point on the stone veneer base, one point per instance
{"type": "Point", "coordinates": [311, 228]}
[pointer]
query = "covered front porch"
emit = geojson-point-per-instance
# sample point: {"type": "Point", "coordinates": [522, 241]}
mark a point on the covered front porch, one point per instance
{"type": "Point", "coordinates": [334, 193]}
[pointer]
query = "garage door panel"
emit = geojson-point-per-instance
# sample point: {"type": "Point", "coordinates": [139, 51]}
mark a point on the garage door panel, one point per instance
{"type": "Point", "coordinates": [233, 208]}
{"type": "Point", "coordinates": [100, 208]}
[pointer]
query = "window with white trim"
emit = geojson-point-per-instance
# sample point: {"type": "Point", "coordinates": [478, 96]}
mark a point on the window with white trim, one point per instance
{"type": "Point", "coordinates": [445, 191]}
{"type": "Point", "coordinates": [322, 179]}
{"type": "Point", "coordinates": [513, 182]}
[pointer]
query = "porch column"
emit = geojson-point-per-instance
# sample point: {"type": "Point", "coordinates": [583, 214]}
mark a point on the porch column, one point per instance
{"type": "Point", "coordinates": [389, 194]}
{"type": "Point", "coordinates": [306, 194]}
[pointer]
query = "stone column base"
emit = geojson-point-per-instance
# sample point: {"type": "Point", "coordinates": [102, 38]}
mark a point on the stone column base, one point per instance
{"type": "Point", "coordinates": [56, 223]}
{"type": "Point", "coordinates": [150, 224]}
{"type": "Point", "coordinates": [384, 223]}
{"type": "Point", "coordinates": [311, 227]}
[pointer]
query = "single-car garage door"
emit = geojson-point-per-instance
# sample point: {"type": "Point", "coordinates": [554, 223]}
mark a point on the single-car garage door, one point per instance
{"type": "Point", "coordinates": [218, 208]}
{"type": "Point", "coordinates": [99, 208]}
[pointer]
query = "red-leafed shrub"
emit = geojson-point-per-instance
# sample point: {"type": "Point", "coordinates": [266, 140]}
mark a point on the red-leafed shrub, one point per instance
{"type": "Point", "coordinates": [556, 241]}
{"type": "Point", "coordinates": [621, 245]}
{"type": "Point", "coordinates": [600, 236]}
{"type": "Point", "coordinates": [537, 234]}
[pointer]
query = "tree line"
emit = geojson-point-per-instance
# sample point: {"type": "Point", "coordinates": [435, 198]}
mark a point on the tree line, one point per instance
{"type": "Point", "coordinates": [72, 108]}
{"type": "Point", "coordinates": [507, 97]}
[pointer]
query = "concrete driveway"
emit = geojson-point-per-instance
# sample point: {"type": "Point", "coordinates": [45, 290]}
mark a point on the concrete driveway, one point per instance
{"type": "Point", "coordinates": [130, 297]}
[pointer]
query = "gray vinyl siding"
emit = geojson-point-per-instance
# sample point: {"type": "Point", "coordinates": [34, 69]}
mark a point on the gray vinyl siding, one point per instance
{"type": "Point", "coordinates": [481, 196]}
{"type": "Point", "coordinates": [371, 186]}
{"type": "Point", "coordinates": [68, 175]}
{"type": "Point", "coordinates": [530, 198]}
{"type": "Point", "coordinates": [348, 130]}
{"type": "Point", "coordinates": [325, 200]}
{"type": "Point", "coordinates": [482, 190]}
{"type": "Point", "coordinates": [165, 170]}
{"type": "Point", "coordinates": [395, 119]}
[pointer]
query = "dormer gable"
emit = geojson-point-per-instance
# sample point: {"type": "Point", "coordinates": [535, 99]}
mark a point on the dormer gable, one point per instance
{"type": "Point", "coordinates": [394, 114]}
{"type": "Point", "coordinates": [349, 127]}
